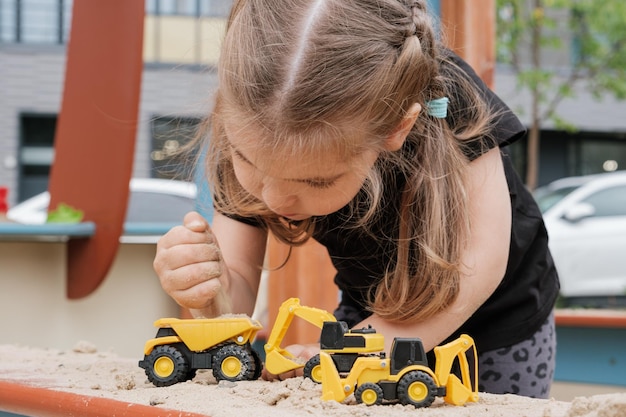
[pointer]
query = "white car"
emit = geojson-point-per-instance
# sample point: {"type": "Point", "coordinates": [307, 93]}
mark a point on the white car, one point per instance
{"type": "Point", "coordinates": [586, 222]}
{"type": "Point", "coordinates": [151, 200]}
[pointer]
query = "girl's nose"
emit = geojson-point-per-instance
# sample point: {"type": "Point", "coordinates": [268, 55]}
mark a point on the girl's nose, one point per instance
{"type": "Point", "coordinates": [278, 196]}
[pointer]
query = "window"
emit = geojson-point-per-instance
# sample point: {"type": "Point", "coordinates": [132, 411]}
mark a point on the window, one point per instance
{"type": "Point", "coordinates": [169, 136]}
{"type": "Point", "coordinates": [36, 153]}
{"type": "Point", "coordinates": [48, 21]}
{"type": "Point", "coordinates": [546, 199]}
{"type": "Point", "coordinates": [148, 207]}
{"type": "Point", "coordinates": [204, 8]}
{"type": "Point", "coordinates": [35, 21]}
{"type": "Point", "coordinates": [600, 153]}
{"type": "Point", "coordinates": [609, 202]}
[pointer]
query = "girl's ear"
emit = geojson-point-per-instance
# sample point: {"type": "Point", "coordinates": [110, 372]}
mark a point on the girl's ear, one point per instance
{"type": "Point", "coordinates": [396, 139]}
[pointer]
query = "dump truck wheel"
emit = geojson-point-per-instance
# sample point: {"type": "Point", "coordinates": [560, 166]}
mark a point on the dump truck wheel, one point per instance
{"type": "Point", "coordinates": [417, 388]}
{"type": "Point", "coordinates": [234, 363]}
{"type": "Point", "coordinates": [369, 393]}
{"type": "Point", "coordinates": [313, 370]}
{"type": "Point", "coordinates": [258, 365]}
{"type": "Point", "coordinates": [166, 366]}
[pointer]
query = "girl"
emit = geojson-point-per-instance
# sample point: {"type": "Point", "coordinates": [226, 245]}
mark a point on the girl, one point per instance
{"type": "Point", "coordinates": [346, 122]}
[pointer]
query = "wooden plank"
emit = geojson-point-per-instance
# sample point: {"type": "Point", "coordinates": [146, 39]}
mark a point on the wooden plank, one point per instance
{"type": "Point", "coordinates": [308, 275]}
{"type": "Point", "coordinates": [95, 137]}
{"type": "Point", "coordinates": [27, 400]}
{"type": "Point", "coordinates": [469, 30]}
{"type": "Point", "coordinates": [591, 318]}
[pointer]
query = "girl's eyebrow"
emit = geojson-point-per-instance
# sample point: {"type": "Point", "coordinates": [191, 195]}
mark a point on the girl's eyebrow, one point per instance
{"type": "Point", "coordinates": [300, 180]}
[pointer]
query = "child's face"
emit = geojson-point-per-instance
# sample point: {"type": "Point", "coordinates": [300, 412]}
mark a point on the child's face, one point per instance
{"type": "Point", "coordinates": [296, 187]}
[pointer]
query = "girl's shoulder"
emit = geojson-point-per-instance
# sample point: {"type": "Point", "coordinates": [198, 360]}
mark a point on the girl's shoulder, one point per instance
{"type": "Point", "coordinates": [506, 126]}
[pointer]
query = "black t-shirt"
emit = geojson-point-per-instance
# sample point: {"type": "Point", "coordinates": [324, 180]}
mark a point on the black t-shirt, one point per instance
{"type": "Point", "coordinates": [528, 291]}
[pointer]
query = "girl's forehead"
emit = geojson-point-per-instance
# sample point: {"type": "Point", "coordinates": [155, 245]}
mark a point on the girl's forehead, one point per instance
{"type": "Point", "coordinates": [273, 143]}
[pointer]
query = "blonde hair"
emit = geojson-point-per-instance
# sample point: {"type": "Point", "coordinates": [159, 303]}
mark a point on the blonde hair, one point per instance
{"type": "Point", "coordinates": [308, 71]}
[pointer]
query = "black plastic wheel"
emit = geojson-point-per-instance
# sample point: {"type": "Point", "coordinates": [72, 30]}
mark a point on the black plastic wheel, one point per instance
{"type": "Point", "coordinates": [166, 365]}
{"type": "Point", "coordinates": [369, 393]}
{"type": "Point", "coordinates": [417, 388]}
{"type": "Point", "coordinates": [234, 363]}
{"type": "Point", "coordinates": [258, 365]}
{"type": "Point", "coordinates": [313, 370]}
{"type": "Point", "coordinates": [191, 374]}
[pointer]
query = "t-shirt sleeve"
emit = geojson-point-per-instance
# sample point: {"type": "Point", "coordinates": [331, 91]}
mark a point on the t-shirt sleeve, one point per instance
{"type": "Point", "coordinates": [506, 127]}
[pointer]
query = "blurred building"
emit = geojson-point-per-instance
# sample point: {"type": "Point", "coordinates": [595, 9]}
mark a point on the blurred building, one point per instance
{"type": "Point", "coordinates": [181, 45]}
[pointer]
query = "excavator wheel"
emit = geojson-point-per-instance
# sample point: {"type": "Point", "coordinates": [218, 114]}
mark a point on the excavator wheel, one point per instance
{"type": "Point", "coordinates": [369, 393]}
{"type": "Point", "coordinates": [313, 370]}
{"type": "Point", "coordinates": [166, 365]}
{"type": "Point", "coordinates": [417, 388]}
{"type": "Point", "coordinates": [234, 363]}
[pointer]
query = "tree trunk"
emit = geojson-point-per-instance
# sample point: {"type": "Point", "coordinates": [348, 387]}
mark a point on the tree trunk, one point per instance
{"type": "Point", "coordinates": [532, 167]}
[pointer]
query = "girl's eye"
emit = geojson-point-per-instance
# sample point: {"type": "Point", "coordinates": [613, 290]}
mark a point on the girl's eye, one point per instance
{"type": "Point", "coordinates": [241, 157]}
{"type": "Point", "coordinates": [320, 184]}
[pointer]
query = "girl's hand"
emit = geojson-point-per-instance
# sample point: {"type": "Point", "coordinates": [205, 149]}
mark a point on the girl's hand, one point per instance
{"type": "Point", "coordinates": [301, 352]}
{"type": "Point", "coordinates": [190, 266]}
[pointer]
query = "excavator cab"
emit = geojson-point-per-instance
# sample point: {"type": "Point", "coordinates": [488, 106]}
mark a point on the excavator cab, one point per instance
{"type": "Point", "coordinates": [336, 337]}
{"type": "Point", "coordinates": [405, 352]}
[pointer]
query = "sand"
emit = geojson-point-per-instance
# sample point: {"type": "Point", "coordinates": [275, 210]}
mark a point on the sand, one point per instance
{"type": "Point", "coordinates": [87, 371]}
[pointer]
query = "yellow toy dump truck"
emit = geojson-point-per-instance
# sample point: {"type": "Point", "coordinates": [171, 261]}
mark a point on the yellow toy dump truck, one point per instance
{"type": "Point", "coordinates": [353, 361]}
{"type": "Point", "coordinates": [183, 346]}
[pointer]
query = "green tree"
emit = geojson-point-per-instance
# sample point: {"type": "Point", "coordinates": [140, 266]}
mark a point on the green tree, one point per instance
{"type": "Point", "coordinates": [531, 32]}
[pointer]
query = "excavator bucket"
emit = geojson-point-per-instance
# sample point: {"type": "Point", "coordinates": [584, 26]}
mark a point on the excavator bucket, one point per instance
{"type": "Point", "coordinates": [331, 381]}
{"type": "Point", "coordinates": [279, 361]}
{"type": "Point", "coordinates": [463, 388]}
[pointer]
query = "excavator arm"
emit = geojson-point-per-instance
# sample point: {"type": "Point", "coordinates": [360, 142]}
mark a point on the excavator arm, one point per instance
{"type": "Point", "coordinates": [463, 389]}
{"type": "Point", "coordinates": [277, 359]}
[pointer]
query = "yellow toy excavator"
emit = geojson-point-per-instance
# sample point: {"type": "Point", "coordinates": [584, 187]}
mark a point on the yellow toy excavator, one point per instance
{"type": "Point", "coordinates": [279, 360]}
{"type": "Point", "coordinates": [347, 365]}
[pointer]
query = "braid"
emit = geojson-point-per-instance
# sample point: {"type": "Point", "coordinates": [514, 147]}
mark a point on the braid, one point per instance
{"type": "Point", "coordinates": [419, 50]}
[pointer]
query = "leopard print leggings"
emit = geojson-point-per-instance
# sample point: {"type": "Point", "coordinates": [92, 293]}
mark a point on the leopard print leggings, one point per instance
{"type": "Point", "coordinates": [526, 368]}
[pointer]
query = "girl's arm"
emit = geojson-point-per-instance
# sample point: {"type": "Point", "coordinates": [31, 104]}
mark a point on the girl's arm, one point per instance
{"type": "Point", "coordinates": [484, 260]}
{"type": "Point", "coordinates": [211, 270]}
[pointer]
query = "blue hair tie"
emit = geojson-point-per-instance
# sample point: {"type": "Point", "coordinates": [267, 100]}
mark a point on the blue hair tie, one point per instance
{"type": "Point", "coordinates": [438, 108]}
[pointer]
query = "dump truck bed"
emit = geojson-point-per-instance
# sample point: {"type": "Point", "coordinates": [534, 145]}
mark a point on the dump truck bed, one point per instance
{"type": "Point", "coordinates": [200, 334]}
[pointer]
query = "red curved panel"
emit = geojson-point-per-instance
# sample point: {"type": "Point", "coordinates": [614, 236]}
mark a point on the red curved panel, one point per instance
{"type": "Point", "coordinates": [96, 129]}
